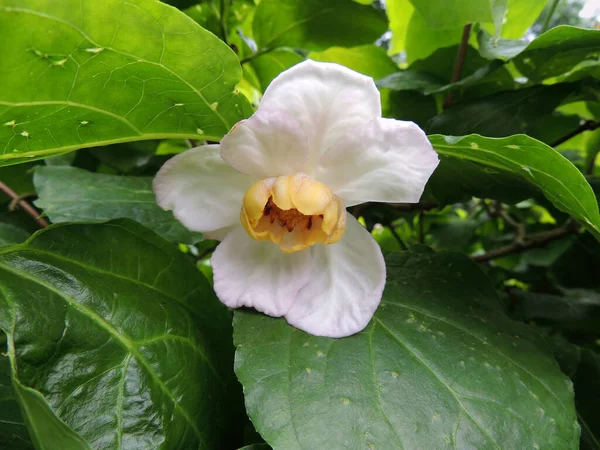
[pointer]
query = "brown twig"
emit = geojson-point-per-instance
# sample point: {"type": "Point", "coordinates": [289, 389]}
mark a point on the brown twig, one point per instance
{"type": "Point", "coordinates": [588, 125]}
{"type": "Point", "coordinates": [24, 204]}
{"type": "Point", "coordinates": [460, 61]}
{"type": "Point", "coordinates": [536, 240]}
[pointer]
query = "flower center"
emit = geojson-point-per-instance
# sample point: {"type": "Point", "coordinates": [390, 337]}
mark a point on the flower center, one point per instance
{"type": "Point", "coordinates": [293, 211]}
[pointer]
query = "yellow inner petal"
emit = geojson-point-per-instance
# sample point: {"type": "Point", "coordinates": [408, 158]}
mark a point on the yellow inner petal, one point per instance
{"type": "Point", "coordinates": [293, 211]}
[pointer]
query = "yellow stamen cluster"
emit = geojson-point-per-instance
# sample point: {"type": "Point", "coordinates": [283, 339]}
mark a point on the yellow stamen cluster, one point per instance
{"type": "Point", "coordinates": [293, 211]}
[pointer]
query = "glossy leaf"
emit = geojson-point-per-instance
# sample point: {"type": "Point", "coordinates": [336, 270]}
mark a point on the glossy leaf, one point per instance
{"type": "Point", "coordinates": [316, 25]}
{"type": "Point", "coordinates": [438, 366]}
{"type": "Point", "coordinates": [116, 71]}
{"type": "Point", "coordinates": [577, 309]}
{"type": "Point", "coordinates": [13, 431]}
{"type": "Point", "coordinates": [116, 341]}
{"type": "Point", "coordinates": [11, 234]}
{"type": "Point", "coordinates": [68, 194]}
{"type": "Point", "coordinates": [553, 53]}
{"type": "Point", "coordinates": [504, 113]}
{"type": "Point", "coordinates": [533, 161]}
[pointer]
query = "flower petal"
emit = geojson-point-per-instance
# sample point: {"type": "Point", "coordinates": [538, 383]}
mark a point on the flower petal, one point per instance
{"type": "Point", "coordinates": [326, 99]}
{"type": "Point", "coordinates": [258, 274]}
{"type": "Point", "coordinates": [385, 160]}
{"type": "Point", "coordinates": [345, 285]}
{"type": "Point", "coordinates": [203, 191]}
{"type": "Point", "coordinates": [269, 144]}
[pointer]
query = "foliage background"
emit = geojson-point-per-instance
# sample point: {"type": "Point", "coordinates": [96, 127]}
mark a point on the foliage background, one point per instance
{"type": "Point", "coordinates": [488, 332]}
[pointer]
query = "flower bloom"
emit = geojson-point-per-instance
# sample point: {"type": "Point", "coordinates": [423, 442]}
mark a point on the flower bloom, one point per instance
{"type": "Point", "coordinates": [275, 192]}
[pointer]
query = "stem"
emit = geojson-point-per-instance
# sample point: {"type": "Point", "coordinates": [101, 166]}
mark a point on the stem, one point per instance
{"type": "Point", "coordinates": [402, 244]}
{"type": "Point", "coordinates": [549, 16]}
{"type": "Point", "coordinates": [23, 204]}
{"type": "Point", "coordinates": [421, 227]}
{"type": "Point", "coordinates": [535, 240]}
{"type": "Point", "coordinates": [460, 61]}
{"type": "Point", "coordinates": [588, 125]}
{"type": "Point", "coordinates": [256, 55]}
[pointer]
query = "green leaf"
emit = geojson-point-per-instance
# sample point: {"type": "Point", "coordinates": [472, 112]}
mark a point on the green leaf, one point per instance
{"type": "Point", "coordinates": [126, 157]}
{"type": "Point", "coordinates": [583, 366]}
{"type": "Point", "coordinates": [11, 234]}
{"type": "Point", "coordinates": [18, 178]}
{"type": "Point", "coordinates": [534, 162]}
{"type": "Point", "coordinates": [503, 49]}
{"type": "Point", "coordinates": [271, 64]}
{"type": "Point", "coordinates": [421, 41]}
{"type": "Point", "coordinates": [13, 431]}
{"type": "Point", "coordinates": [138, 70]}
{"type": "Point", "coordinates": [68, 194]}
{"type": "Point", "coordinates": [440, 14]}
{"type": "Point", "coordinates": [399, 13]}
{"type": "Point", "coordinates": [113, 333]}
{"type": "Point", "coordinates": [576, 309]}
{"type": "Point", "coordinates": [316, 25]}
{"type": "Point", "coordinates": [433, 75]}
{"type": "Point", "coordinates": [438, 366]}
{"type": "Point", "coordinates": [367, 59]}
{"type": "Point", "coordinates": [504, 113]}
{"type": "Point", "coordinates": [553, 53]}
{"type": "Point", "coordinates": [520, 15]}
{"type": "Point", "coordinates": [413, 106]}
{"type": "Point", "coordinates": [458, 180]}
{"type": "Point", "coordinates": [558, 51]}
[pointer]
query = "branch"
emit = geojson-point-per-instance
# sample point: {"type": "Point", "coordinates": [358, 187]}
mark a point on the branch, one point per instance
{"type": "Point", "coordinates": [23, 204]}
{"type": "Point", "coordinates": [588, 125]}
{"type": "Point", "coordinates": [460, 61]}
{"type": "Point", "coordinates": [536, 240]}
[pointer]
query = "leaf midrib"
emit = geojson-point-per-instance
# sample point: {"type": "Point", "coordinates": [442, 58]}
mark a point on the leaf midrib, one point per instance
{"type": "Point", "coordinates": [464, 330]}
{"type": "Point", "coordinates": [437, 376]}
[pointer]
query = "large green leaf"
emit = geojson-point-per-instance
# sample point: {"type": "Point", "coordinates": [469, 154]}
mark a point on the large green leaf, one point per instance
{"type": "Point", "coordinates": [271, 64]}
{"type": "Point", "coordinates": [89, 73]}
{"type": "Point", "coordinates": [504, 113]}
{"type": "Point", "coordinates": [366, 59]}
{"type": "Point", "coordinates": [551, 54]}
{"type": "Point", "coordinates": [316, 25]}
{"type": "Point", "coordinates": [439, 366]}
{"type": "Point", "coordinates": [450, 13]}
{"type": "Point", "coordinates": [533, 161]}
{"type": "Point", "coordinates": [11, 234]}
{"type": "Point", "coordinates": [583, 366]}
{"type": "Point", "coordinates": [114, 334]}
{"type": "Point", "coordinates": [68, 194]}
{"type": "Point", "coordinates": [13, 432]}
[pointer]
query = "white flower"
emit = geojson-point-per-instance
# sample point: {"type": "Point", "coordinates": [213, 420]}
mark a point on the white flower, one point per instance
{"type": "Point", "coordinates": [275, 193]}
